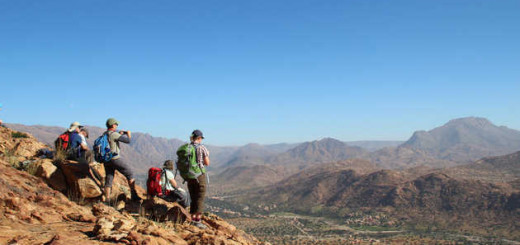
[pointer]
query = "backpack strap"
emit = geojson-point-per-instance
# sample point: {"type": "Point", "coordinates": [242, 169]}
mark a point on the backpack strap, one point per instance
{"type": "Point", "coordinates": [164, 189]}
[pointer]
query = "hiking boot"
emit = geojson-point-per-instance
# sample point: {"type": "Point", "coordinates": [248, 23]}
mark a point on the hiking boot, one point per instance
{"type": "Point", "coordinates": [199, 225]}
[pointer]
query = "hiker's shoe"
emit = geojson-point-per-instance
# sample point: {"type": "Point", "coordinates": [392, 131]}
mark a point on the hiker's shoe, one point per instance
{"type": "Point", "coordinates": [199, 225]}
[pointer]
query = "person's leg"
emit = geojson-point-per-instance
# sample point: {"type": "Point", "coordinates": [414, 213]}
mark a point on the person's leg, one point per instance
{"type": "Point", "coordinates": [133, 191]}
{"type": "Point", "coordinates": [124, 169]}
{"type": "Point", "coordinates": [109, 170]}
{"type": "Point", "coordinates": [193, 190]}
{"type": "Point", "coordinates": [202, 195]}
{"type": "Point", "coordinates": [178, 197]}
{"type": "Point", "coordinates": [182, 198]}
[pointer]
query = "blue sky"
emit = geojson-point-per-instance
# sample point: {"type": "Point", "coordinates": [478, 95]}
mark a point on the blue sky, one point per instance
{"type": "Point", "coordinates": [260, 71]}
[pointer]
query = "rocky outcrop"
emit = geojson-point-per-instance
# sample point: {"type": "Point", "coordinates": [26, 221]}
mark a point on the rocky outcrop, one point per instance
{"type": "Point", "coordinates": [161, 210]}
{"type": "Point", "coordinates": [50, 173]}
{"type": "Point", "coordinates": [78, 179]}
{"type": "Point", "coordinates": [31, 212]}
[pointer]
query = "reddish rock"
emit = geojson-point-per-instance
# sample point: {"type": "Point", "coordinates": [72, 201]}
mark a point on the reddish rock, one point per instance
{"type": "Point", "coordinates": [53, 176]}
{"type": "Point", "coordinates": [80, 183]}
{"type": "Point", "coordinates": [161, 210]}
{"type": "Point", "coordinates": [33, 213]}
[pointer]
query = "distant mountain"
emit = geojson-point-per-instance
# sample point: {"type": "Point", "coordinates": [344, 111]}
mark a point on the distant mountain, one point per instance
{"type": "Point", "coordinates": [491, 169]}
{"type": "Point", "coordinates": [250, 154]}
{"type": "Point", "coordinates": [457, 142]}
{"type": "Point", "coordinates": [246, 177]}
{"type": "Point", "coordinates": [374, 145]}
{"type": "Point", "coordinates": [397, 194]}
{"type": "Point", "coordinates": [464, 139]}
{"type": "Point", "coordinates": [319, 151]}
{"type": "Point", "coordinates": [282, 147]}
{"type": "Point", "coordinates": [404, 157]}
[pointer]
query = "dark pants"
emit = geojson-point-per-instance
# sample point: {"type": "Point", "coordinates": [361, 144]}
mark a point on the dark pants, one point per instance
{"type": "Point", "coordinates": [119, 165]}
{"type": "Point", "coordinates": [197, 188]}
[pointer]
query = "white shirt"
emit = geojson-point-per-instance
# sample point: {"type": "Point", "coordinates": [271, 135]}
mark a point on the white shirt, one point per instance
{"type": "Point", "coordinates": [169, 175]}
{"type": "Point", "coordinates": [83, 140]}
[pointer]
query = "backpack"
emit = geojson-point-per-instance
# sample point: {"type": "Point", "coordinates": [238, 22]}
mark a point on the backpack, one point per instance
{"type": "Point", "coordinates": [62, 142]}
{"type": "Point", "coordinates": [153, 185]}
{"type": "Point", "coordinates": [187, 162]}
{"type": "Point", "coordinates": [102, 152]}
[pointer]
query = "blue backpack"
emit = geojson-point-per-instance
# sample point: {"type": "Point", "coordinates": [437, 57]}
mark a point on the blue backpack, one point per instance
{"type": "Point", "coordinates": [102, 152]}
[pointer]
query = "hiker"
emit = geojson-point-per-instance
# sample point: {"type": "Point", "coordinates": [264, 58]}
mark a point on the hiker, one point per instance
{"type": "Point", "coordinates": [62, 143]}
{"type": "Point", "coordinates": [196, 186]}
{"type": "Point", "coordinates": [78, 146]}
{"type": "Point", "coordinates": [173, 193]}
{"type": "Point", "coordinates": [116, 163]}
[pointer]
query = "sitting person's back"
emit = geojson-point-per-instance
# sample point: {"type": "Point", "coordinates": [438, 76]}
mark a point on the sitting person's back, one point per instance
{"type": "Point", "coordinates": [172, 191]}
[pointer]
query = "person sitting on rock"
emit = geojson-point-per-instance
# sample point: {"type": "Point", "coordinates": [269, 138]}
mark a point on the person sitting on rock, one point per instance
{"type": "Point", "coordinates": [62, 143]}
{"type": "Point", "coordinates": [79, 150]}
{"type": "Point", "coordinates": [172, 191]}
{"type": "Point", "coordinates": [117, 163]}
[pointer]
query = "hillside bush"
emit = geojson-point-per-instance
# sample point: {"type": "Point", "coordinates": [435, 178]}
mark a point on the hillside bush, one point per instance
{"type": "Point", "coordinates": [17, 135]}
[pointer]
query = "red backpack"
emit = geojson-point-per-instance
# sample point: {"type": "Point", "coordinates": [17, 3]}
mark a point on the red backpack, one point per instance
{"type": "Point", "coordinates": [62, 142]}
{"type": "Point", "coordinates": [153, 186]}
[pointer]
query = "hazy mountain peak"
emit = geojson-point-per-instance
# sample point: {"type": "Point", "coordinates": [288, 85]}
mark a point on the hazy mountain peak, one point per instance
{"type": "Point", "coordinates": [478, 122]}
{"type": "Point", "coordinates": [466, 139]}
{"type": "Point", "coordinates": [329, 139]}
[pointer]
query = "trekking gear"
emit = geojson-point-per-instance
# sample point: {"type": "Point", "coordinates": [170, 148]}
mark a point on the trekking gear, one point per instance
{"type": "Point", "coordinates": [187, 164]}
{"type": "Point", "coordinates": [102, 152]}
{"type": "Point", "coordinates": [153, 185]}
{"type": "Point", "coordinates": [62, 142]}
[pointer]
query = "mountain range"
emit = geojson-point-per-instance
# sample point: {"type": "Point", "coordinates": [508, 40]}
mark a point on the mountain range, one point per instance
{"type": "Point", "coordinates": [145, 150]}
{"type": "Point", "coordinates": [460, 141]}
{"type": "Point", "coordinates": [439, 198]}
{"type": "Point", "coordinates": [462, 175]}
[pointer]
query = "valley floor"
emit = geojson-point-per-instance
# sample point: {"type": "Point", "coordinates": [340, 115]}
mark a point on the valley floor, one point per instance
{"type": "Point", "coordinates": [290, 228]}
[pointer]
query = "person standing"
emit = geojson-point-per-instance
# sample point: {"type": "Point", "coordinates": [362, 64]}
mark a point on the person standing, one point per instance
{"type": "Point", "coordinates": [116, 163]}
{"type": "Point", "coordinates": [197, 187]}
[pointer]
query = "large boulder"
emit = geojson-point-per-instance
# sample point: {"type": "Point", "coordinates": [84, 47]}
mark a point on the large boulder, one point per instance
{"type": "Point", "coordinates": [81, 184]}
{"type": "Point", "coordinates": [161, 210]}
{"type": "Point", "coordinates": [53, 176]}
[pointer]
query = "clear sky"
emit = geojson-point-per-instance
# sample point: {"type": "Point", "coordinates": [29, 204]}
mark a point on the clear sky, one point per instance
{"type": "Point", "coordinates": [261, 71]}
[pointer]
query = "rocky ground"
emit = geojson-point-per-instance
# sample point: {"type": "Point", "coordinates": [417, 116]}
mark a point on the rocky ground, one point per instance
{"type": "Point", "coordinates": [31, 212]}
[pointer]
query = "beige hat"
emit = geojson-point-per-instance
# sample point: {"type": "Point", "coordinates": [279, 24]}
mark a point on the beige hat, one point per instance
{"type": "Point", "coordinates": [168, 164]}
{"type": "Point", "coordinates": [74, 126]}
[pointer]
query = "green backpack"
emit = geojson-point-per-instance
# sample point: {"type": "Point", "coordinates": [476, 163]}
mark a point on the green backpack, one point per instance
{"type": "Point", "coordinates": [187, 162]}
